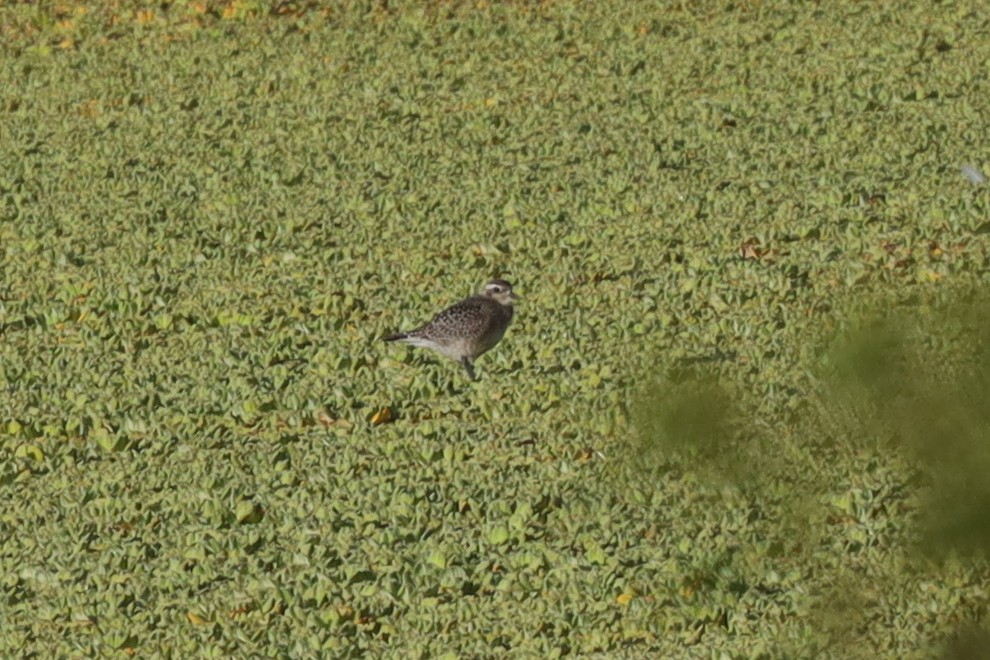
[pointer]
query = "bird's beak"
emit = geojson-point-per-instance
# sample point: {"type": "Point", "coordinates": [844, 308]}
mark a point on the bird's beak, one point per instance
{"type": "Point", "coordinates": [513, 295]}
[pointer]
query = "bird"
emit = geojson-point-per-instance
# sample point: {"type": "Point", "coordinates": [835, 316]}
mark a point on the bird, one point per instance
{"type": "Point", "coordinates": [466, 329]}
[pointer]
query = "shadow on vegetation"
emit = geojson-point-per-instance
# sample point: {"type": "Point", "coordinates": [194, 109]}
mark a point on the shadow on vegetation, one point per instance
{"type": "Point", "coordinates": [690, 420]}
{"type": "Point", "coordinates": [923, 383]}
{"type": "Point", "coordinates": [901, 399]}
{"type": "Point", "coordinates": [969, 643]}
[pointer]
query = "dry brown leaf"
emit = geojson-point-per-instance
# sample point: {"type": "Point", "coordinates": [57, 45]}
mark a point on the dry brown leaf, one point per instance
{"type": "Point", "coordinates": [383, 416]}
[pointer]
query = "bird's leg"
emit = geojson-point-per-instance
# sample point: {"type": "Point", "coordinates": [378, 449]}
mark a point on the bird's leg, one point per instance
{"type": "Point", "coordinates": [468, 367]}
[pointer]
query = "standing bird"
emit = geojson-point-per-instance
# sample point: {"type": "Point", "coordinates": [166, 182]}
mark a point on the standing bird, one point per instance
{"type": "Point", "coordinates": [467, 329]}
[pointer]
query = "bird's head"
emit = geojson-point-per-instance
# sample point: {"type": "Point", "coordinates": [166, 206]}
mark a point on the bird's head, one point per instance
{"type": "Point", "coordinates": [501, 292]}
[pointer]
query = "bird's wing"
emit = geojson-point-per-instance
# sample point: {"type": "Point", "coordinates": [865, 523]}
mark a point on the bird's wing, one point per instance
{"type": "Point", "coordinates": [460, 316]}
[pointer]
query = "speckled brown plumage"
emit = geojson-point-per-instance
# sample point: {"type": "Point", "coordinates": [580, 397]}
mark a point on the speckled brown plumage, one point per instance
{"type": "Point", "coordinates": [467, 329]}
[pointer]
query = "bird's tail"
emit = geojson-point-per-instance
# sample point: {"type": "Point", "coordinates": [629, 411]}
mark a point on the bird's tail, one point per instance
{"type": "Point", "coordinates": [397, 336]}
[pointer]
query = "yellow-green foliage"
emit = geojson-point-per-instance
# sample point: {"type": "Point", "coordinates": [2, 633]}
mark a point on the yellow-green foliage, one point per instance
{"type": "Point", "coordinates": [211, 212]}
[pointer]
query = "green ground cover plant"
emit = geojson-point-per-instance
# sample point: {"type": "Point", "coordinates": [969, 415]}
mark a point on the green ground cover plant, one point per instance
{"type": "Point", "coordinates": [740, 411]}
